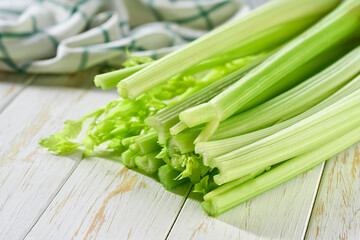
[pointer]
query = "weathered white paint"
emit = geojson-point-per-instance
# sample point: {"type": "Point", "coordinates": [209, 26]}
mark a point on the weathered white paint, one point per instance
{"type": "Point", "coordinates": [104, 200]}
{"type": "Point", "coordinates": [29, 176]}
{"type": "Point", "coordinates": [336, 212]}
{"type": "Point", "coordinates": [281, 213]}
{"type": "Point", "coordinates": [10, 86]}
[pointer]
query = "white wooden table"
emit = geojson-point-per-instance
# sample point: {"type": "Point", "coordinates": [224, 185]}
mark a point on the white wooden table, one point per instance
{"type": "Point", "coordinates": [43, 196]}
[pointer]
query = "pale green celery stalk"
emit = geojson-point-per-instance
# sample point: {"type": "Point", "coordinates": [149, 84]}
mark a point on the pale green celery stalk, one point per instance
{"type": "Point", "coordinates": [183, 142]}
{"type": "Point", "coordinates": [246, 32]}
{"type": "Point", "coordinates": [146, 143]}
{"type": "Point", "coordinates": [228, 186]}
{"type": "Point", "coordinates": [213, 149]}
{"type": "Point", "coordinates": [130, 140]}
{"type": "Point", "coordinates": [111, 79]}
{"type": "Point", "coordinates": [299, 138]}
{"type": "Point", "coordinates": [149, 163]}
{"type": "Point", "coordinates": [289, 104]}
{"type": "Point", "coordinates": [336, 26]}
{"type": "Point", "coordinates": [223, 202]}
{"type": "Point", "coordinates": [168, 117]}
{"type": "Point", "coordinates": [168, 177]}
{"type": "Point", "coordinates": [128, 158]}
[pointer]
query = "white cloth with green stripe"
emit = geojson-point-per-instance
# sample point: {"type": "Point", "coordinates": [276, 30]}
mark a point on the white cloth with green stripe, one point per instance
{"type": "Point", "coordinates": [65, 36]}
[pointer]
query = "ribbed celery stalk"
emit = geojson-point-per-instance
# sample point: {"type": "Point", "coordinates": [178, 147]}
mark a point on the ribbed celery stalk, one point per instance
{"type": "Point", "coordinates": [240, 33]}
{"type": "Point", "coordinates": [339, 24]}
{"type": "Point", "coordinates": [111, 79]}
{"type": "Point", "coordinates": [128, 158]}
{"type": "Point", "coordinates": [309, 133]}
{"type": "Point", "coordinates": [149, 163]}
{"type": "Point", "coordinates": [146, 143]}
{"type": "Point", "coordinates": [168, 177]}
{"type": "Point", "coordinates": [228, 186]}
{"type": "Point", "coordinates": [215, 205]}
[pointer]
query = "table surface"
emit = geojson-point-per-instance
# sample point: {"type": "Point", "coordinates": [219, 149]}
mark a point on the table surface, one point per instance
{"type": "Point", "coordinates": [43, 196]}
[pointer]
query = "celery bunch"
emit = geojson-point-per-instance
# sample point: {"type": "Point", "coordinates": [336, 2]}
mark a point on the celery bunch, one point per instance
{"type": "Point", "coordinates": [239, 111]}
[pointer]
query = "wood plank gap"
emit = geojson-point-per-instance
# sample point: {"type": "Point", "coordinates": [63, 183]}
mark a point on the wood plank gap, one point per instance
{"type": "Point", "coordinates": [314, 200]}
{"type": "Point", "coordinates": [181, 208]}
{"type": "Point", "coordinates": [12, 98]}
{"type": "Point", "coordinates": [55, 195]}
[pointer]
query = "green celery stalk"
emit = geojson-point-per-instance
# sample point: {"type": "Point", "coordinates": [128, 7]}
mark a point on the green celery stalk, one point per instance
{"type": "Point", "coordinates": [305, 135]}
{"type": "Point", "coordinates": [336, 26]}
{"type": "Point", "coordinates": [248, 32]}
{"type": "Point", "coordinates": [168, 177]}
{"type": "Point", "coordinates": [228, 186]}
{"type": "Point", "coordinates": [218, 204]}
{"type": "Point", "coordinates": [149, 163]}
{"type": "Point", "coordinates": [146, 143]}
{"type": "Point", "coordinates": [128, 158]}
{"type": "Point", "coordinates": [111, 79]}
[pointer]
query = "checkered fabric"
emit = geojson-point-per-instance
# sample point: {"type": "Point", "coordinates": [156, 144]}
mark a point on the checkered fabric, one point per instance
{"type": "Point", "coordinates": [65, 36]}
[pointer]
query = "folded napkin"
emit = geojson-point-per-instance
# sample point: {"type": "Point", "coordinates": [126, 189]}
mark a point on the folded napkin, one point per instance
{"type": "Point", "coordinates": [65, 36]}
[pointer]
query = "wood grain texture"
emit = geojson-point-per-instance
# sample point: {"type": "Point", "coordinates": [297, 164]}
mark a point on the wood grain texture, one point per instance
{"type": "Point", "coordinates": [105, 200]}
{"type": "Point", "coordinates": [336, 212]}
{"type": "Point", "coordinates": [29, 176]}
{"type": "Point", "coordinates": [10, 86]}
{"type": "Point", "coordinates": [281, 213]}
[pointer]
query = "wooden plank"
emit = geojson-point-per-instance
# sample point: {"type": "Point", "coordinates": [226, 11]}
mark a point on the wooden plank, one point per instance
{"type": "Point", "coordinates": [10, 86]}
{"type": "Point", "coordinates": [336, 212]}
{"type": "Point", "coordinates": [281, 213]}
{"type": "Point", "coordinates": [104, 200]}
{"type": "Point", "coordinates": [29, 176]}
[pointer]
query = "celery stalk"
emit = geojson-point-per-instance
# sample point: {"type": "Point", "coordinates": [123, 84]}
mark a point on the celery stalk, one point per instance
{"type": "Point", "coordinates": [168, 177]}
{"type": "Point", "coordinates": [339, 24]}
{"type": "Point", "coordinates": [111, 79]}
{"type": "Point", "coordinates": [246, 32]}
{"type": "Point", "coordinates": [147, 143]}
{"type": "Point", "coordinates": [128, 158]}
{"type": "Point", "coordinates": [223, 202]}
{"type": "Point", "coordinates": [149, 163]}
{"type": "Point", "coordinates": [228, 186]}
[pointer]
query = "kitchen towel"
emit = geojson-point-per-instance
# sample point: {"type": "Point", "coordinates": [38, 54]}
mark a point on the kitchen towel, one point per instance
{"type": "Point", "coordinates": [66, 36]}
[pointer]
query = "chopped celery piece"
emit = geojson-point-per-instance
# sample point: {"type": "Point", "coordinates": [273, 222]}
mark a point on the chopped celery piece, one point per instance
{"type": "Point", "coordinates": [168, 177]}
{"type": "Point", "coordinates": [128, 158]}
{"type": "Point", "coordinates": [149, 163]}
{"type": "Point", "coordinates": [147, 143]}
